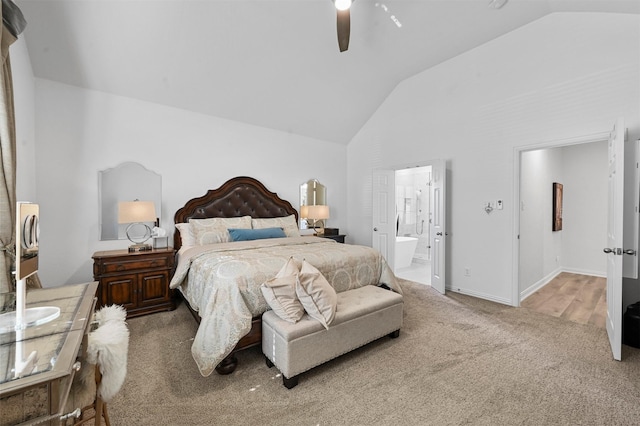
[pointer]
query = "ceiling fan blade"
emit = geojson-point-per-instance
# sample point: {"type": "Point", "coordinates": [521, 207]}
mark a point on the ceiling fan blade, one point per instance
{"type": "Point", "coordinates": [344, 29]}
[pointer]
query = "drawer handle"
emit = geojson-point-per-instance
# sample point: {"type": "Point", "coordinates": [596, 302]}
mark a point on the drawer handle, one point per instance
{"type": "Point", "coordinates": [120, 267]}
{"type": "Point", "coordinates": [154, 263]}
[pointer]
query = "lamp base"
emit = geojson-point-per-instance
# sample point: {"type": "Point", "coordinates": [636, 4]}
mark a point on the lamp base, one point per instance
{"type": "Point", "coordinates": [140, 247]}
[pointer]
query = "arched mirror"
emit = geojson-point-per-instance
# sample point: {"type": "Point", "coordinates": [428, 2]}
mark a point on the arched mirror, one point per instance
{"type": "Point", "coordinates": [312, 193]}
{"type": "Point", "coordinates": [125, 182]}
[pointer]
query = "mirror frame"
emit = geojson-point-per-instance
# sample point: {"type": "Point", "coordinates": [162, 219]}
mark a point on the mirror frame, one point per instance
{"type": "Point", "coordinates": [127, 181]}
{"type": "Point", "coordinates": [312, 193]}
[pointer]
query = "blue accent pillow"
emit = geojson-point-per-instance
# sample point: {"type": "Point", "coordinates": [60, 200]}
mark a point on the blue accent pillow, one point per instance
{"type": "Point", "coordinates": [255, 234]}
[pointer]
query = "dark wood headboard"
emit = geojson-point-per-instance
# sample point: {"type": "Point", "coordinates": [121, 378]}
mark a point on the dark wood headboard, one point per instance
{"type": "Point", "coordinates": [240, 196]}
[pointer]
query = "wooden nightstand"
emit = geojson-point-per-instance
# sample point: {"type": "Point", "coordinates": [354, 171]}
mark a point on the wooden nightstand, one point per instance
{"type": "Point", "coordinates": [338, 238]}
{"type": "Point", "coordinates": [139, 281]}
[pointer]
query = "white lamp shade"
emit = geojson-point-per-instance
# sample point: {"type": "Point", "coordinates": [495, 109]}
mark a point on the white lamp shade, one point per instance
{"type": "Point", "coordinates": [315, 212]}
{"type": "Point", "coordinates": [136, 211]}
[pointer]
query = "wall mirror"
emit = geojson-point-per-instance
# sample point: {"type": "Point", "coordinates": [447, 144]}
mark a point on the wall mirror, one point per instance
{"type": "Point", "coordinates": [126, 182]}
{"type": "Point", "coordinates": [312, 193]}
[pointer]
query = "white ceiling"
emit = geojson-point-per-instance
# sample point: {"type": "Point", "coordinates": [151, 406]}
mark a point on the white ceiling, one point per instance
{"type": "Point", "coordinates": [271, 63]}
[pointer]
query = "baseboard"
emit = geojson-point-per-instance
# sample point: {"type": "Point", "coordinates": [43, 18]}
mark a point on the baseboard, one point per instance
{"type": "Point", "coordinates": [480, 295]}
{"type": "Point", "coordinates": [585, 272]}
{"type": "Point", "coordinates": [539, 284]}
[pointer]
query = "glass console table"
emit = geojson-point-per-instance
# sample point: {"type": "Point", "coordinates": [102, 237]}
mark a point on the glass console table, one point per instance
{"type": "Point", "coordinates": [37, 363]}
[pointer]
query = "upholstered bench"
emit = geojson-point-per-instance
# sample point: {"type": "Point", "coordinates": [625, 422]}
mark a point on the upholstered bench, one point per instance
{"type": "Point", "coordinates": [362, 316]}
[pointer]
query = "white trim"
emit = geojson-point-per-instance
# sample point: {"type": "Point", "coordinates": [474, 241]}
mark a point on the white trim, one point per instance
{"type": "Point", "coordinates": [585, 272]}
{"type": "Point", "coordinates": [490, 297]}
{"type": "Point", "coordinates": [538, 285]}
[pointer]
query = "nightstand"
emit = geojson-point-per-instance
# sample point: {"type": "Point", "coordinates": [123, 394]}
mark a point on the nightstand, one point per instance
{"type": "Point", "coordinates": [139, 281]}
{"type": "Point", "coordinates": [338, 238]}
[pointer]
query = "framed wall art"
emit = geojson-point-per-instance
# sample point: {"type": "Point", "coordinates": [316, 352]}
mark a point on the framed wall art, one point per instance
{"type": "Point", "coordinates": [557, 206]}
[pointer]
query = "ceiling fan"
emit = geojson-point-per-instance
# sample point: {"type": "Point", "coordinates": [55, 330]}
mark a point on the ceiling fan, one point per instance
{"type": "Point", "coordinates": [343, 22]}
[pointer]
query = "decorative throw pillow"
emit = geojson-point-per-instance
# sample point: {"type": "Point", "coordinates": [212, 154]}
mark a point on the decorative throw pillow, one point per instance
{"type": "Point", "coordinates": [255, 234]}
{"type": "Point", "coordinates": [186, 236]}
{"type": "Point", "coordinates": [280, 293]}
{"type": "Point", "coordinates": [287, 223]}
{"type": "Point", "coordinates": [316, 294]}
{"type": "Point", "coordinates": [214, 230]}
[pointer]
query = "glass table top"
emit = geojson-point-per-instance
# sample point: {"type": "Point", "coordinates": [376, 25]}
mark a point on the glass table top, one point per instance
{"type": "Point", "coordinates": [37, 349]}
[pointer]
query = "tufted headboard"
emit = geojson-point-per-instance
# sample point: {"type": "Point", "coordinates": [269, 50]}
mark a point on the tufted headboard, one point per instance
{"type": "Point", "coordinates": [240, 196]}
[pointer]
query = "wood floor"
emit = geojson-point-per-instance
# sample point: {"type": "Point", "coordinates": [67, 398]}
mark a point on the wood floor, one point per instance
{"type": "Point", "coordinates": [578, 298]}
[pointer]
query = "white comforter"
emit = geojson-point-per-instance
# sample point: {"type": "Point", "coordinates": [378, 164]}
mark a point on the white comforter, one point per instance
{"type": "Point", "coordinates": [222, 282]}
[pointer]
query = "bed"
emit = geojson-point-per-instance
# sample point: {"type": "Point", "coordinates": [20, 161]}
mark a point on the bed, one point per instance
{"type": "Point", "coordinates": [220, 280]}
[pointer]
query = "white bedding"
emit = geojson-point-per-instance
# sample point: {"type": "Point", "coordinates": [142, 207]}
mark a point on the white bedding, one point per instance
{"type": "Point", "coordinates": [222, 282]}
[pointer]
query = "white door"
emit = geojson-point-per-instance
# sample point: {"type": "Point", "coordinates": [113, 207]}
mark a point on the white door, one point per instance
{"type": "Point", "coordinates": [614, 238]}
{"type": "Point", "coordinates": [438, 228]}
{"type": "Point", "coordinates": [384, 214]}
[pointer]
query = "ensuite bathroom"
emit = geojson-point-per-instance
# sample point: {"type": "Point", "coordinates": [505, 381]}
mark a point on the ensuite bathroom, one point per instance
{"type": "Point", "coordinates": [413, 220]}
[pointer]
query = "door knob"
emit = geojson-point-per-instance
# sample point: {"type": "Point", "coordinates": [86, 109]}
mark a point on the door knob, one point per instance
{"type": "Point", "coordinates": [617, 251]}
{"type": "Point", "coordinates": [630, 251]}
{"type": "Point", "coordinates": [375, 229]}
{"type": "Point", "coordinates": [439, 233]}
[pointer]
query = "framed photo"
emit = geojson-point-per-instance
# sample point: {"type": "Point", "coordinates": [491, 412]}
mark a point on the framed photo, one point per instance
{"type": "Point", "coordinates": [557, 206]}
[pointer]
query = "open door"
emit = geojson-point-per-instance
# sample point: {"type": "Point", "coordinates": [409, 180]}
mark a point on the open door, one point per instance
{"type": "Point", "coordinates": [614, 249]}
{"type": "Point", "coordinates": [384, 214]}
{"type": "Point", "coordinates": [438, 225]}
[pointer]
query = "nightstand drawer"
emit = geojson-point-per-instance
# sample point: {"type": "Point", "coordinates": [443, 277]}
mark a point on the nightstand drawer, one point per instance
{"type": "Point", "coordinates": [134, 265]}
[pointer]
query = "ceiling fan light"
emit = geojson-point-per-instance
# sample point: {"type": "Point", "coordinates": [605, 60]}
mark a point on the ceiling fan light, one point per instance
{"type": "Point", "coordinates": [342, 4]}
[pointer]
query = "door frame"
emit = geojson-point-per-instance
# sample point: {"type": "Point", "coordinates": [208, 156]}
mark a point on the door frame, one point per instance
{"type": "Point", "coordinates": [517, 158]}
{"type": "Point", "coordinates": [413, 165]}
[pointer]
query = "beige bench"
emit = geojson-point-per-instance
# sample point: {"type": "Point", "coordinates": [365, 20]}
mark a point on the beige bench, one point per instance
{"type": "Point", "coordinates": [362, 316]}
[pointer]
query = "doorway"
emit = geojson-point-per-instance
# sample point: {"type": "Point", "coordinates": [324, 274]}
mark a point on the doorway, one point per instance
{"type": "Point", "coordinates": [386, 223]}
{"type": "Point", "coordinates": [413, 218]}
{"type": "Point", "coordinates": [576, 248]}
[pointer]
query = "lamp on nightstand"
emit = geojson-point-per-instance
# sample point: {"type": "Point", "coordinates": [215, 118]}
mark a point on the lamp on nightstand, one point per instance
{"type": "Point", "coordinates": [316, 213]}
{"type": "Point", "coordinates": [136, 213]}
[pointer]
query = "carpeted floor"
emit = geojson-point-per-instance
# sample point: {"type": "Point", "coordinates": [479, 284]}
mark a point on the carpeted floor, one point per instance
{"type": "Point", "coordinates": [458, 361]}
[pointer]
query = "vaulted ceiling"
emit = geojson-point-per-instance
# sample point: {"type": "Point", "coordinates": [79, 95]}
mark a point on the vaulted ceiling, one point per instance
{"type": "Point", "coordinates": [270, 63]}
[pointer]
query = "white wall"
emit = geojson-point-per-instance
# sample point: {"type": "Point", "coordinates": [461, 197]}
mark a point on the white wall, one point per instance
{"type": "Point", "coordinates": [25, 109]}
{"type": "Point", "coordinates": [80, 132]}
{"type": "Point", "coordinates": [563, 76]}
{"type": "Point", "coordinates": [540, 247]}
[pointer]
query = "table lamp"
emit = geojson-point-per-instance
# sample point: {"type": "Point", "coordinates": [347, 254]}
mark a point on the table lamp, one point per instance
{"type": "Point", "coordinates": [136, 213]}
{"type": "Point", "coordinates": [318, 214]}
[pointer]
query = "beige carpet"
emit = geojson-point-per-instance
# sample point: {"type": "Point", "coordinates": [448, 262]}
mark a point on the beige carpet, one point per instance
{"type": "Point", "coordinates": [458, 361]}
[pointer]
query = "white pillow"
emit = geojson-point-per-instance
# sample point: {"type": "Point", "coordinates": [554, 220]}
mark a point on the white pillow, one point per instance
{"type": "Point", "coordinates": [186, 236]}
{"type": "Point", "coordinates": [280, 293]}
{"type": "Point", "coordinates": [316, 294]}
{"type": "Point", "coordinates": [287, 223]}
{"type": "Point", "coordinates": [214, 230]}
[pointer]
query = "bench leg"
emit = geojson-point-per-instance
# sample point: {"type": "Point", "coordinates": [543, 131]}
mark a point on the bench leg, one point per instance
{"type": "Point", "coordinates": [394, 334]}
{"type": "Point", "coordinates": [268, 361]}
{"type": "Point", "coordinates": [289, 383]}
